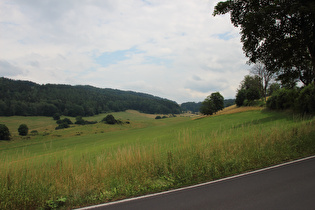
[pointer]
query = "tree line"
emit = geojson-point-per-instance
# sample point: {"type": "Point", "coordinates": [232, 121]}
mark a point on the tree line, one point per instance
{"type": "Point", "coordinates": [25, 98]}
{"type": "Point", "coordinates": [195, 107]}
{"type": "Point", "coordinates": [278, 37]}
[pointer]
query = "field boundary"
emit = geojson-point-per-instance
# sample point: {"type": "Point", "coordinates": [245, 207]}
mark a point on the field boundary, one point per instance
{"type": "Point", "coordinates": [198, 185]}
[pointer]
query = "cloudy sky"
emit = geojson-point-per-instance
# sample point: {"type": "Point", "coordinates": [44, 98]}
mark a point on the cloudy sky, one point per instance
{"type": "Point", "coordinates": [173, 49]}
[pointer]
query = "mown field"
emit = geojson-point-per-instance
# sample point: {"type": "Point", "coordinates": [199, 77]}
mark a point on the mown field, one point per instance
{"type": "Point", "coordinates": [92, 164]}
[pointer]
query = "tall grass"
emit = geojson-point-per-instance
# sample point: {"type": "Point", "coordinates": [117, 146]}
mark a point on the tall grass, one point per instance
{"type": "Point", "coordinates": [136, 169]}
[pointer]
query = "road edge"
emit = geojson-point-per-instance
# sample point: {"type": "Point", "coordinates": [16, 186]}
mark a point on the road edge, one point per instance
{"type": "Point", "coordinates": [197, 185]}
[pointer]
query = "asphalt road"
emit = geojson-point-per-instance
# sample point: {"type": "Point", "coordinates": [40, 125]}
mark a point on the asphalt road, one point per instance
{"type": "Point", "coordinates": [288, 186]}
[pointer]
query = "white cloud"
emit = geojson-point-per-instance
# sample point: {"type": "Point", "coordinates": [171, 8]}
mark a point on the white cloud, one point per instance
{"type": "Point", "coordinates": [172, 49]}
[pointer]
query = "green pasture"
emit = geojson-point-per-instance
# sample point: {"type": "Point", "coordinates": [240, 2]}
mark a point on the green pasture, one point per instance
{"type": "Point", "coordinates": [91, 164]}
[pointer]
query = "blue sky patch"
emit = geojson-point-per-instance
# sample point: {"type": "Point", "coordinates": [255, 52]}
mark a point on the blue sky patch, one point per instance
{"type": "Point", "coordinates": [157, 61]}
{"type": "Point", "coordinates": [225, 36]}
{"type": "Point", "coordinates": [110, 58]}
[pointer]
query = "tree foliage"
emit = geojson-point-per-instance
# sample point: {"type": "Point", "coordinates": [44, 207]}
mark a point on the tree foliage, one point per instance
{"type": "Point", "coordinates": [195, 107]}
{"type": "Point", "coordinates": [4, 132]}
{"type": "Point", "coordinates": [110, 119]}
{"type": "Point", "coordinates": [250, 90]}
{"type": "Point", "coordinates": [30, 99]}
{"type": "Point", "coordinates": [23, 130]}
{"type": "Point", "coordinates": [212, 104]}
{"type": "Point", "coordinates": [300, 100]}
{"type": "Point", "coordinates": [279, 34]}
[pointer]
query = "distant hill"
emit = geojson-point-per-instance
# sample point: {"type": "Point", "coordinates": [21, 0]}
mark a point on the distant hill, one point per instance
{"type": "Point", "coordinates": [195, 107]}
{"type": "Point", "coordinates": [26, 98]}
{"type": "Point", "coordinates": [190, 106]}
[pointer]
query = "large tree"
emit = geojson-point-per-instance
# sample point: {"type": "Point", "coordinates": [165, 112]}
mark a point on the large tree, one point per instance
{"type": "Point", "coordinates": [212, 104]}
{"type": "Point", "coordinates": [278, 33]}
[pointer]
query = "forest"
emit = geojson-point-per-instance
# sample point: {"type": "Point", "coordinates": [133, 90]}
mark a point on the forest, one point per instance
{"type": "Point", "coordinates": [25, 98]}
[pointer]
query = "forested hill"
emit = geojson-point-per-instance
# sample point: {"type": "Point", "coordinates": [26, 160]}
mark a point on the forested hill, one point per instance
{"type": "Point", "coordinates": [30, 99]}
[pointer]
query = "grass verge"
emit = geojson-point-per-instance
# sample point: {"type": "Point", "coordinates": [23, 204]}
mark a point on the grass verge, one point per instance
{"type": "Point", "coordinates": [178, 154]}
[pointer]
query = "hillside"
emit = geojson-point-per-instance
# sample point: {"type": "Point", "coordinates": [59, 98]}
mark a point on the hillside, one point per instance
{"type": "Point", "coordinates": [25, 98]}
{"type": "Point", "coordinates": [97, 163]}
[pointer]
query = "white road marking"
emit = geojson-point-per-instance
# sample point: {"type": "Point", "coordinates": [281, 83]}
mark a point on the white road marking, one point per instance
{"type": "Point", "coordinates": [195, 186]}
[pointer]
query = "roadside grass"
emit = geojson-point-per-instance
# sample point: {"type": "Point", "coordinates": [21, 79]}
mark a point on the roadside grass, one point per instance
{"type": "Point", "coordinates": [79, 170]}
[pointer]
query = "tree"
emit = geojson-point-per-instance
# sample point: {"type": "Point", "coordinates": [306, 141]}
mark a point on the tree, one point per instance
{"type": "Point", "coordinates": [212, 104]}
{"type": "Point", "coordinates": [56, 116]}
{"type": "Point", "coordinates": [273, 88]}
{"type": "Point", "coordinates": [252, 82]}
{"type": "Point", "coordinates": [250, 90]}
{"type": "Point", "coordinates": [240, 97]}
{"type": "Point", "coordinates": [279, 34]}
{"type": "Point", "coordinates": [265, 76]}
{"type": "Point", "coordinates": [4, 132]}
{"type": "Point", "coordinates": [23, 130]}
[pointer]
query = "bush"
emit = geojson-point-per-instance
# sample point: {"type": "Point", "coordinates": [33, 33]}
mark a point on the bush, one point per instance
{"type": "Point", "coordinates": [158, 117]}
{"type": "Point", "coordinates": [65, 123]}
{"type": "Point", "coordinates": [109, 119]}
{"type": "Point", "coordinates": [56, 116]}
{"type": "Point", "coordinates": [81, 121]}
{"type": "Point", "coordinates": [62, 126]}
{"type": "Point", "coordinates": [306, 100]}
{"type": "Point", "coordinates": [66, 120]}
{"type": "Point", "coordinates": [34, 132]}
{"type": "Point", "coordinates": [283, 99]}
{"type": "Point", "coordinates": [23, 130]}
{"type": "Point", "coordinates": [4, 132]}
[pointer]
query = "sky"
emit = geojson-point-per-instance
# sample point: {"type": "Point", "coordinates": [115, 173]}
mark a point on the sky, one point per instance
{"type": "Point", "coordinates": [173, 49]}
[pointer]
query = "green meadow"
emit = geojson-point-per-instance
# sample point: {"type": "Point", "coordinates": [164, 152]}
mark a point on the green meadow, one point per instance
{"type": "Point", "coordinates": [92, 164]}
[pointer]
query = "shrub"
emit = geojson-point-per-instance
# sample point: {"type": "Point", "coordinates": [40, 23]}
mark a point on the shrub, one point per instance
{"type": "Point", "coordinates": [65, 123]}
{"type": "Point", "coordinates": [158, 117]}
{"type": "Point", "coordinates": [306, 100]}
{"type": "Point", "coordinates": [23, 130]}
{"type": "Point", "coordinates": [62, 126]}
{"type": "Point", "coordinates": [56, 116]}
{"type": "Point", "coordinates": [34, 132]}
{"type": "Point", "coordinates": [81, 121]}
{"type": "Point", "coordinates": [283, 99]}
{"type": "Point", "coordinates": [66, 120]}
{"type": "Point", "coordinates": [4, 132]}
{"type": "Point", "coordinates": [109, 119]}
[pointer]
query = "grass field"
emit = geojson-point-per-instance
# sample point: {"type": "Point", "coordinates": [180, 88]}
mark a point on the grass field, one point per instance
{"type": "Point", "coordinates": [92, 164]}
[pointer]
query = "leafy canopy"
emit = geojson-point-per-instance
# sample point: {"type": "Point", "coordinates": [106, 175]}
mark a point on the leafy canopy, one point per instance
{"type": "Point", "coordinates": [250, 90]}
{"type": "Point", "coordinates": [212, 104]}
{"type": "Point", "coordinates": [23, 130]}
{"type": "Point", "coordinates": [279, 34]}
{"type": "Point", "coordinates": [4, 132]}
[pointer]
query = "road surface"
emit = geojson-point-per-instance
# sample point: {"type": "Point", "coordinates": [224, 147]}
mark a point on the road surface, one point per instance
{"type": "Point", "coordinates": [286, 186]}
